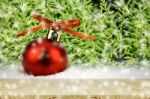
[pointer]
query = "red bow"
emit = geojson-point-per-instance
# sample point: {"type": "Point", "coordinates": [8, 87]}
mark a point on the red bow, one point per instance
{"type": "Point", "coordinates": [64, 25]}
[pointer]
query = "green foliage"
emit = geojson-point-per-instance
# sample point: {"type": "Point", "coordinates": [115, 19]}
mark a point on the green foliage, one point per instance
{"type": "Point", "coordinates": [123, 34]}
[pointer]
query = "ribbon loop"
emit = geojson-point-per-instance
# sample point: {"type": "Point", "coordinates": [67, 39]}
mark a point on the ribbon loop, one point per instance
{"type": "Point", "coordinates": [64, 25]}
{"type": "Point", "coordinates": [41, 18]}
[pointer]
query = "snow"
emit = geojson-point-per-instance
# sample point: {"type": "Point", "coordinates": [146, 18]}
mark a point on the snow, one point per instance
{"type": "Point", "coordinates": [75, 72]}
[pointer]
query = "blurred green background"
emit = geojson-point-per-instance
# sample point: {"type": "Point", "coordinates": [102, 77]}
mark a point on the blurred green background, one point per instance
{"type": "Point", "coordinates": [122, 29]}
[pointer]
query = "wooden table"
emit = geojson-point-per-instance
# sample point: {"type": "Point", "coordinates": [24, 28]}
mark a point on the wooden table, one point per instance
{"type": "Point", "coordinates": [74, 89]}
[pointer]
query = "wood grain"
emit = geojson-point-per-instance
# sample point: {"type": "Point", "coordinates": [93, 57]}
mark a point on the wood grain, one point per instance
{"type": "Point", "coordinates": [74, 89]}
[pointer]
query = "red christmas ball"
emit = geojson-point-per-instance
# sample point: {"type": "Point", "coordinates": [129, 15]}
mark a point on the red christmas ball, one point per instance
{"type": "Point", "coordinates": [44, 57]}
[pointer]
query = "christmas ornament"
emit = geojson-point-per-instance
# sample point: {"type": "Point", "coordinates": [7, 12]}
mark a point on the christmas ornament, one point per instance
{"type": "Point", "coordinates": [45, 56]}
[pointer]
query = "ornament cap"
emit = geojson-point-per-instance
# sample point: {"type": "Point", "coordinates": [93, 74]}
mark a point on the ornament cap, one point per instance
{"type": "Point", "coordinates": [54, 35]}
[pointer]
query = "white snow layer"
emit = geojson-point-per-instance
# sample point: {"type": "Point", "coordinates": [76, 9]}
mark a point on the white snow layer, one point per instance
{"type": "Point", "coordinates": [81, 73]}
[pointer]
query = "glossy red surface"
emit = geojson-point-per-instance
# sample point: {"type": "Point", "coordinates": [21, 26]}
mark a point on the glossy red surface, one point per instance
{"type": "Point", "coordinates": [44, 57]}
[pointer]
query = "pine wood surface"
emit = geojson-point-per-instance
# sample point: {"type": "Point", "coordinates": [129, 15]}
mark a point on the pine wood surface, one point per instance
{"type": "Point", "coordinates": [74, 89]}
